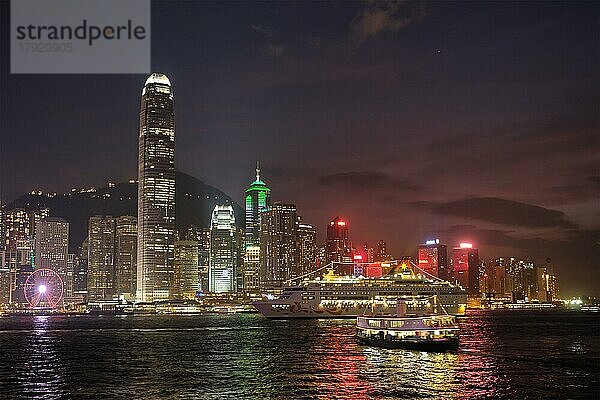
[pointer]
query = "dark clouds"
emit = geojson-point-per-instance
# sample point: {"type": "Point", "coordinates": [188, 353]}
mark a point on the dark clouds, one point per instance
{"type": "Point", "coordinates": [385, 17]}
{"type": "Point", "coordinates": [501, 211]}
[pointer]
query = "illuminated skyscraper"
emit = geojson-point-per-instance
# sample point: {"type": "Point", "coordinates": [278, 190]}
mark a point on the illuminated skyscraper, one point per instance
{"type": "Point", "coordinates": [125, 255]}
{"type": "Point", "coordinates": [279, 244]}
{"type": "Point", "coordinates": [433, 258]}
{"type": "Point", "coordinates": [224, 248]}
{"type": "Point", "coordinates": [52, 245]}
{"type": "Point", "coordinates": [465, 267]}
{"type": "Point", "coordinates": [381, 253]}
{"type": "Point", "coordinates": [101, 257]}
{"type": "Point", "coordinates": [307, 248]}
{"type": "Point", "coordinates": [156, 190]}
{"type": "Point", "coordinates": [185, 277]}
{"type": "Point", "coordinates": [252, 268]}
{"type": "Point", "coordinates": [338, 242]}
{"type": "Point", "coordinates": [258, 199]}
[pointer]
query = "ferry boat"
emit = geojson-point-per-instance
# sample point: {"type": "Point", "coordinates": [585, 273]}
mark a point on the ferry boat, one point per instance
{"type": "Point", "coordinates": [435, 332]}
{"type": "Point", "coordinates": [334, 296]}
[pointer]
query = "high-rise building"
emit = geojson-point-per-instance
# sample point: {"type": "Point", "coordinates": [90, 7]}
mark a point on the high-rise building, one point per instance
{"type": "Point", "coordinates": [495, 279]}
{"type": "Point", "coordinates": [338, 242]}
{"type": "Point", "coordinates": [5, 281]}
{"type": "Point", "coordinates": [279, 244]}
{"type": "Point", "coordinates": [465, 267]}
{"type": "Point", "coordinates": [52, 245]}
{"type": "Point", "coordinates": [433, 258]}
{"type": "Point", "coordinates": [23, 259]}
{"type": "Point", "coordinates": [71, 267]}
{"type": "Point", "coordinates": [252, 269]}
{"type": "Point", "coordinates": [381, 253]}
{"type": "Point", "coordinates": [185, 277]}
{"type": "Point", "coordinates": [17, 227]}
{"type": "Point", "coordinates": [547, 283]}
{"type": "Point", "coordinates": [80, 274]}
{"type": "Point", "coordinates": [202, 236]}
{"type": "Point", "coordinates": [224, 249]}
{"type": "Point", "coordinates": [258, 199]}
{"type": "Point", "coordinates": [156, 190]}
{"type": "Point", "coordinates": [307, 248]}
{"type": "Point", "coordinates": [125, 255]}
{"type": "Point", "coordinates": [2, 229]}
{"type": "Point", "coordinates": [101, 257]}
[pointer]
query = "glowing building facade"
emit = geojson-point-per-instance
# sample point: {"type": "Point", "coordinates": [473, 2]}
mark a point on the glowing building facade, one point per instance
{"type": "Point", "coordinates": [125, 255]}
{"type": "Point", "coordinates": [258, 199]}
{"type": "Point", "coordinates": [307, 248]}
{"type": "Point", "coordinates": [338, 243]}
{"type": "Point", "coordinates": [433, 258]}
{"type": "Point", "coordinates": [279, 244]}
{"type": "Point", "coordinates": [52, 245]}
{"type": "Point", "coordinates": [185, 277]}
{"type": "Point", "coordinates": [156, 190]}
{"type": "Point", "coordinates": [224, 250]}
{"type": "Point", "coordinates": [101, 257]}
{"type": "Point", "coordinates": [465, 267]}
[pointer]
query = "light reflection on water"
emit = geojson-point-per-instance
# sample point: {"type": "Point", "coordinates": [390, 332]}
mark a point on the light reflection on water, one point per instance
{"type": "Point", "coordinates": [246, 356]}
{"type": "Point", "coordinates": [39, 371]}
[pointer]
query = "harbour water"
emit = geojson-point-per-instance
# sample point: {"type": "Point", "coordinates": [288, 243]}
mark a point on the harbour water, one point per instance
{"type": "Point", "coordinates": [503, 354]}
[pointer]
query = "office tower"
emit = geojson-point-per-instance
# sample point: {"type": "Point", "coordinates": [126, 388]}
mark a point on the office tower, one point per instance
{"type": "Point", "coordinates": [125, 255]}
{"type": "Point", "coordinates": [338, 242]}
{"type": "Point", "coordinates": [367, 253]}
{"type": "Point", "coordinates": [35, 216]}
{"type": "Point", "coordinates": [2, 229]}
{"type": "Point", "coordinates": [71, 260]}
{"type": "Point", "coordinates": [80, 273]}
{"type": "Point", "coordinates": [185, 276]}
{"type": "Point", "coordinates": [17, 227]}
{"type": "Point", "coordinates": [252, 269]}
{"type": "Point", "coordinates": [433, 258]}
{"type": "Point", "coordinates": [258, 199]}
{"type": "Point", "coordinates": [22, 258]}
{"type": "Point", "coordinates": [307, 248]}
{"type": "Point", "coordinates": [381, 253]}
{"type": "Point", "coordinates": [202, 236]}
{"type": "Point", "coordinates": [156, 190]}
{"type": "Point", "coordinates": [224, 248]}
{"type": "Point", "coordinates": [321, 255]}
{"type": "Point", "coordinates": [279, 244]}
{"type": "Point", "coordinates": [547, 283]}
{"type": "Point", "coordinates": [465, 267]}
{"type": "Point", "coordinates": [5, 281]}
{"type": "Point", "coordinates": [101, 257]}
{"type": "Point", "coordinates": [52, 245]}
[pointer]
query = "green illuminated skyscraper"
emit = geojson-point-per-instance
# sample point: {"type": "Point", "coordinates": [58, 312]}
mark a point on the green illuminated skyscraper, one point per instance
{"type": "Point", "coordinates": [258, 199]}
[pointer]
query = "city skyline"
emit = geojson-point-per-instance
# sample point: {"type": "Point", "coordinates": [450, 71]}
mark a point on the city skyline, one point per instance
{"type": "Point", "coordinates": [482, 177]}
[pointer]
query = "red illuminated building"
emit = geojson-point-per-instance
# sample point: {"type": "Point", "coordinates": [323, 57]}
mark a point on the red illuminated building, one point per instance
{"type": "Point", "coordinates": [433, 259]}
{"type": "Point", "coordinates": [465, 267]}
{"type": "Point", "coordinates": [338, 244]}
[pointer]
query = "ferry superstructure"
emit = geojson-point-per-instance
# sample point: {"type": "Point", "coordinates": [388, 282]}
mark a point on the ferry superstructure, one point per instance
{"type": "Point", "coordinates": [334, 296]}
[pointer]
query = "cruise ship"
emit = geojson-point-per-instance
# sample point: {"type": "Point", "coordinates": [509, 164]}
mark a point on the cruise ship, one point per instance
{"type": "Point", "coordinates": [335, 296]}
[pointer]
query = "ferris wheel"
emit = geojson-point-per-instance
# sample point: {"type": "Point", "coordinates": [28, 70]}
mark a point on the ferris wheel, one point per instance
{"type": "Point", "coordinates": [44, 288]}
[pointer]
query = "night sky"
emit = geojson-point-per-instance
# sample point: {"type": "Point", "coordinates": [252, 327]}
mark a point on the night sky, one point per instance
{"type": "Point", "coordinates": [464, 121]}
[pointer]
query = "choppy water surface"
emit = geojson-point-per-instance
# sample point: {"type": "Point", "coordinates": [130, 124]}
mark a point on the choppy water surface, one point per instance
{"type": "Point", "coordinates": [502, 355]}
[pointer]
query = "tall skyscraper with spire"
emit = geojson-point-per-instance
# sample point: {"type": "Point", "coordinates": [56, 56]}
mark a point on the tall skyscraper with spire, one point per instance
{"type": "Point", "coordinates": [258, 199]}
{"type": "Point", "coordinates": [156, 190]}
